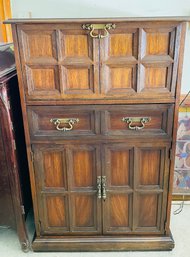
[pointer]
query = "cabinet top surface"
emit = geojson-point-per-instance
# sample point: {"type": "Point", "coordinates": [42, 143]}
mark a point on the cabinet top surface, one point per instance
{"type": "Point", "coordinates": [118, 19]}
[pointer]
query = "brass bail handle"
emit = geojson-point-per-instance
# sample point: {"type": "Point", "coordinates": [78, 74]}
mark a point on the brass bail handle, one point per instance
{"type": "Point", "coordinates": [130, 120]}
{"type": "Point", "coordinates": [58, 122]}
{"type": "Point", "coordinates": [104, 27]}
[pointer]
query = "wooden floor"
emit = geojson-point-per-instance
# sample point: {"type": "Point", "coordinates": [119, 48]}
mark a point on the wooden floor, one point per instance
{"type": "Point", "coordinates": [180, 227]}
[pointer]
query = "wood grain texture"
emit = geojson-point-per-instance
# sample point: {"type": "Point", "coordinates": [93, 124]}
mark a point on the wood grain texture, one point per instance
{"type": "Point", "coordinates": [119, 211]}
{"type": "Point", "coordinates": [120, 167]}
{"type": "Point", "coordinates": [56, 211]}
{"type": "Point", "coordinates": [54, 170]}
{"type": "Point", "coordinates": [150, 167]}
{"type": "Point", "coordinates": [148, 205]}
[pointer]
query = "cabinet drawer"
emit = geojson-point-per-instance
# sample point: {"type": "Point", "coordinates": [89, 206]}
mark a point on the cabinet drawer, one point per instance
{"type": "Point", "coordinates": [152, 119]}
{"type": "Point", "coordinates": [61, 121]}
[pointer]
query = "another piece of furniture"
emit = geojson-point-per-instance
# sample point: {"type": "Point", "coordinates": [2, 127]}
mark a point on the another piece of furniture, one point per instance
{"type": "Point", "coordinates": [13, 161]}
{"type": "Point", "coordinates": [100, 100]}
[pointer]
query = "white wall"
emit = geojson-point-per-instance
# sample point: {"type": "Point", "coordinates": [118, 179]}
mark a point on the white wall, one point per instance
{"type": "Point", "coordinates": [108, 8]}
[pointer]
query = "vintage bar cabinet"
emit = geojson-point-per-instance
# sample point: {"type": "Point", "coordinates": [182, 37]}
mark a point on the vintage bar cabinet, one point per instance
{"type": "Point", "coordinates": [100, 100]}
{"type": "Point", "coordinates": [15, 196]}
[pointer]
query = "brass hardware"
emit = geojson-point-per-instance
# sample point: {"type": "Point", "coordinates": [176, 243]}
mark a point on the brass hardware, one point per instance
{"type": "Point", "coordinates": [99, 194]}
{"type": "Point", "coordinates": [69, 121]}
{"type": "Point", "coordinates": [130, 120]}
{"type": "Point", "coordinates": [104, 27]}
{"type": "Point", "coordinates": [104, 187]}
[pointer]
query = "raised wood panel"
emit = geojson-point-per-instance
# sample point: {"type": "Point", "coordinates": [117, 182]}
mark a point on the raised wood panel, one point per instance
{"type": "Point", "coordinates": [155, 77]}
{"type": "Point", "coordinates": [77, 80]}
{"type": "Point", "coordinates": [39, 45]}
{"type": "Point", "coordinates": [50, 166]}
{"type": "Point", "coordinates": [119, 209]}
{"type": "Point", "coordinates": [158, 42]}
{"type": "Point", "coordinates": [54, 169]}
{"type": "Point", "coordinates": [42, 79]}
{"type": "Point", "coordinates": [118, 213]}
{"type": "Point", "coordinates": [119, 165]}
{"type": "Point", "coordinates": [120, 78]}
{"type": "Point", "coordinates": [83, 162]}
{"type": "Point", "coordinates": [42, 127]}
{"type": "Point", "coordinates": [76, 45]}
{"type": "Point", "coordinates": [150, 162]}
{"type": "Point", "coordinates": [122, 44]}
{"type": "Point", "coordinates": [84, 212]}
{"type": "Point", "coordinates": [148, 210]}
{"type": "Point", "coordinates": [56, 208]}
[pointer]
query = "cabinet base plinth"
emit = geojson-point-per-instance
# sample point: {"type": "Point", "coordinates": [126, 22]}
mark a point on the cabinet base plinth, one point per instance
{"type": "Point", "coordinates": [107, 243]}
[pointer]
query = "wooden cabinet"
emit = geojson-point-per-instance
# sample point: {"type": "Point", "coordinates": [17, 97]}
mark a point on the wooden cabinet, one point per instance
{"type": "Point", "coordinates": [15, 193]}
{"type": "Point", "coordinates": [99, 100]}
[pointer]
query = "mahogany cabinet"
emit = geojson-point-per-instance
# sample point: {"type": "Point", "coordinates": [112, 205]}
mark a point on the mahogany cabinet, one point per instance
{"type": "Point", "coordinates": [15, 196]}
{"type": "Point", "coordinates": [100, 99]}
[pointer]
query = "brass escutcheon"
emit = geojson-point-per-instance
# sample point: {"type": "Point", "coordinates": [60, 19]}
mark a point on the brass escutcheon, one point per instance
{"type": "Point", "coordinates": [104, 27]}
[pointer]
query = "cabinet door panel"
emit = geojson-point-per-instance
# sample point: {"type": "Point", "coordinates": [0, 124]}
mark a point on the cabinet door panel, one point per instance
{"type": "Point", "coordinates": [57, 214]}
{"type": "Point", "coordinates": [84, 167]}
{"type": "Point", "coordinates": [66, 188]}
{"type": "Point", "coordinates": [118, 169]}
{"type": "Point", "coordinates": [150, 183]}
{"type": "Point", "coordinates": [136, 185]}
{"type": "Point", "coordinates": [84, 209]}
{"type": "Point", "coordinates": [148, 209]}
{"type": "Point", "coordinates": [59, 62]}
{"type": "Point", "coordinates": [119, 53]}
{"type": "Point", "coordinates": [140, 60]}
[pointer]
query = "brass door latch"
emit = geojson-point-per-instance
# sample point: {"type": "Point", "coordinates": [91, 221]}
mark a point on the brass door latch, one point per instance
{"type": "Point", "coordinates": [101, 187]}
{"type": "Point", "coordinates": [104, 27]}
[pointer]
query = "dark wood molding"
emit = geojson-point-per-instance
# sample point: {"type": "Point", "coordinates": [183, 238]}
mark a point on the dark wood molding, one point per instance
{"type": "Point", "coordinates": [113, 19]}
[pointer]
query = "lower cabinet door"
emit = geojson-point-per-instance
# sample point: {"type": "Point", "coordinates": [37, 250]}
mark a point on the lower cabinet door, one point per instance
{"type": "Point", "coordinates": [112, 188]}
{"type": "Point", "coordinates": [136, 184]}
{"type": "Point", "coordinates": [66, 178]}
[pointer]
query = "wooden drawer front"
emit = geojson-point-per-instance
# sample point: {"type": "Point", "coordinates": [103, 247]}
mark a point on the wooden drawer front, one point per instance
{"type": "Point", "coordinates": [158, 120]}
{"type": "Point", "coordinates": [42, 125]}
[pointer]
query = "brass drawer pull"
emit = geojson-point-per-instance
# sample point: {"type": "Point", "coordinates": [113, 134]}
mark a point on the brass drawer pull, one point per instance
{"type": "Point", "coordinates": [99, 181]}
{"type": "Point", "coordinates": [58, 121]}
{"type": "Point", "coordinates": [130, 120]}
{"type": "Point", "coordinates": [104, 27]}
{"type": "Point", "coordinates": [104, 188]}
